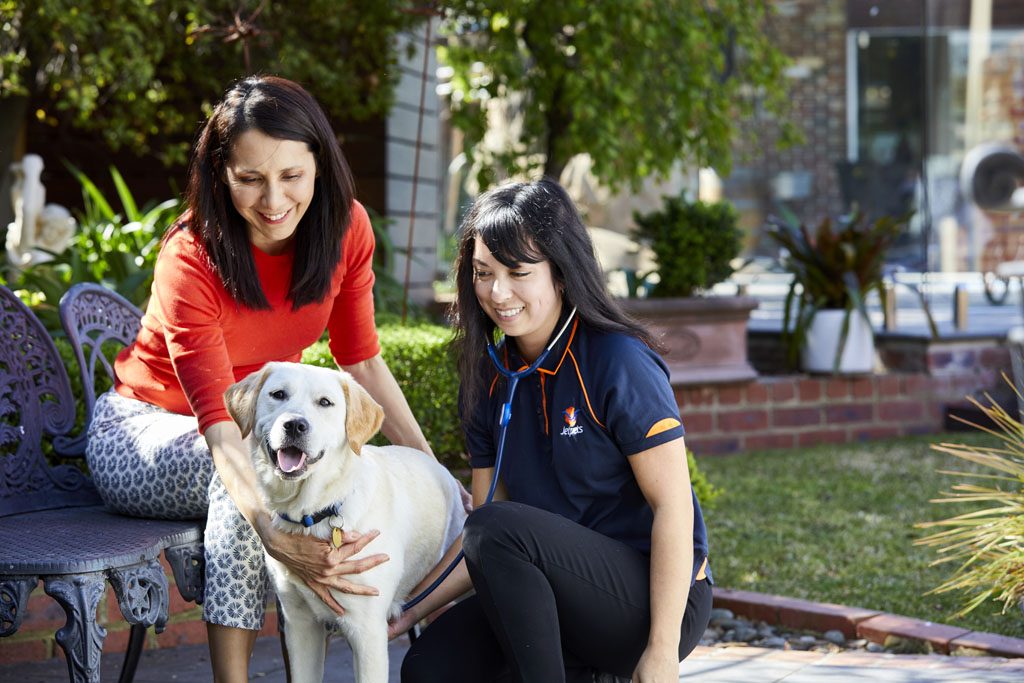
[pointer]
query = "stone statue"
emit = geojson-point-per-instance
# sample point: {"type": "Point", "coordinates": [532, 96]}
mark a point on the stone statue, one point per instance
{"type": "Point", "coordinates": [37, 226]}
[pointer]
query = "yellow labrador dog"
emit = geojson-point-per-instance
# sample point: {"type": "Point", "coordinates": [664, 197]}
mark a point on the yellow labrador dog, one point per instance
{"type": "Point", "coordinates": [309, 427]}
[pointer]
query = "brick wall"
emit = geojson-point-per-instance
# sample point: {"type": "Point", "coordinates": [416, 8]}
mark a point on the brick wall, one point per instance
{"type": "Point", "coordinates": [789, 411]}
{"type": "Point", "coordinates": [796, 411]}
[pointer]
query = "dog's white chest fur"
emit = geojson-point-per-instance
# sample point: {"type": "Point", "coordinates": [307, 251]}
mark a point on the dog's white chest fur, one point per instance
{"type": "Point", "coordinates": [415, 503]}
{"type": "Point", "coordinates": [309, 427]}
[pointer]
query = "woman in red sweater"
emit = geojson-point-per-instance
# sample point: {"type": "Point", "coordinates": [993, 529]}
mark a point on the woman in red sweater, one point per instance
{"type": "Point", "coordinates": [272, 250]}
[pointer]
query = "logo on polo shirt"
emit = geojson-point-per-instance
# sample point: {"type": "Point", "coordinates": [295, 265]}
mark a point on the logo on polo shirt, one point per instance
{"type": "Point", "coordinates": [571, 429]}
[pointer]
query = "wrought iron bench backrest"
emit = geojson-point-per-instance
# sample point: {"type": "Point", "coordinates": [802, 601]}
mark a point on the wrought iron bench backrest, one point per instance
{"type": "Point", "coordinates": [94, 318]}
{"type": "Point", "coordinates": [35, 401]}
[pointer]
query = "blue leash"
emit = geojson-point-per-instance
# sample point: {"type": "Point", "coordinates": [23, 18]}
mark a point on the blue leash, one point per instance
{"type": "Point", "coordinates": [513, 378]}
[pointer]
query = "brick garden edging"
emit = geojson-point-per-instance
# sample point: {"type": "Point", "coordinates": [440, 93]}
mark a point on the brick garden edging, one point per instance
{"type": "Point", "coordinates": [856, 622]}
{"type": "Point", "coordinates": [35, 642]}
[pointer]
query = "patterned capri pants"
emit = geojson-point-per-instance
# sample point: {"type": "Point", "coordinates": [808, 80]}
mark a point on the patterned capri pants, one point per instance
{"type": "Point", "coordinates": [147, 462]}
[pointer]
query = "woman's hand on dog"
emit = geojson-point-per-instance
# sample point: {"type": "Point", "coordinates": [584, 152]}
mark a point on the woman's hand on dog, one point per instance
{"type": "Point", "coordinates": [405, 621]}
{"type": "Point", "coordinates": [321, 565]}
{"type": "Point", "coordinates": [411, 617]}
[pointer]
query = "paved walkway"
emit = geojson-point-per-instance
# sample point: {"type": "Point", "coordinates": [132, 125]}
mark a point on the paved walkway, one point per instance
{"type": "Point", "coordinates": [758, 665]}
{"type": "Point", "coordinates": [707, 665]}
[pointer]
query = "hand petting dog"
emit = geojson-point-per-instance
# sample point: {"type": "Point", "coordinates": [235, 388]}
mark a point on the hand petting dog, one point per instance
{"type": "Point", "coordinates": [307, 559]}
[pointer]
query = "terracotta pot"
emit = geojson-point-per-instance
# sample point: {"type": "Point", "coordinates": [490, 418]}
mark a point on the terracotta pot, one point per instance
{"type": "Point", "coordinates": [705, 338]}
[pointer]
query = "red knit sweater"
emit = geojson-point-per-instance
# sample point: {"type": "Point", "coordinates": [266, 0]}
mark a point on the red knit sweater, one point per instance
{"type": "Point", "coordinates": [196, 341]}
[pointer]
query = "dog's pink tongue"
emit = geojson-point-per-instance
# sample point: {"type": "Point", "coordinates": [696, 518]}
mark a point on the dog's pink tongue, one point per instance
{"type": "Point", "coordinates": [290, 459]}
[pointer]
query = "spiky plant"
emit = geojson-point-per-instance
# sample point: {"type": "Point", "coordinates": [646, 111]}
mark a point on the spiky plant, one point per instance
{"type": "Point", "coordinates": [834, 266]}
{"type": "Point", "coordinates": [988, 543]}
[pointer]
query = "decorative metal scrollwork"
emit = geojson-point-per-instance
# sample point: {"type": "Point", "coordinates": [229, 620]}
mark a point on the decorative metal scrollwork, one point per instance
{"type": "Point", "coordinates": [142, 594]}
{"type": "Point", "coordinates": [13, 601]}
{"type": "Point", "coordinates": [81, 637]}
{"type": "Point", "coordinates": [189, 567]}
{"type": "Point", "coordinates": [35, 399]}
{"type": "Point", "coordinates": [94, 315]}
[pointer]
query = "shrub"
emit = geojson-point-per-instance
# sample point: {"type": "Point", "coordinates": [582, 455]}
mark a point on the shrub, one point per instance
{"type": "Point", "coordinates": [987, 542]}
{"type": "Point", "coordinates": [705, 490]}
{"type": "Point", "coordinates": [693, 244]}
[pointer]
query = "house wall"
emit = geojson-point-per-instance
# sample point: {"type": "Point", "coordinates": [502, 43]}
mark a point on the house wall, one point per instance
{"type": "Point", "coordinates": [404, 176]}
{"type": "Point", "coordinates": [812, 33]}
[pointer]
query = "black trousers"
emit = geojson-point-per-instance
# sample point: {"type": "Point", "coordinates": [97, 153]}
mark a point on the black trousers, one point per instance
{"type": "Point", "coordinates": [554, 601]}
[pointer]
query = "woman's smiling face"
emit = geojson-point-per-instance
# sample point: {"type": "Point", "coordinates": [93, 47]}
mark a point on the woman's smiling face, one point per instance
{"type": "Point", "coordinates": [271, 182]}
{"type": "Point", "coordinates": [523, 301]}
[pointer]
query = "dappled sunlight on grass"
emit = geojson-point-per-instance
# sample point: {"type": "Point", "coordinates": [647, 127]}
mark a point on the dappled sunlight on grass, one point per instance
{"type": "Point", "coordinates": [836, 524]}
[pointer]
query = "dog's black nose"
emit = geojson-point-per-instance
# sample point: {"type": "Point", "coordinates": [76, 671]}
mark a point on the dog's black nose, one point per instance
{"type": "Point", "coordinates": [296, 427]}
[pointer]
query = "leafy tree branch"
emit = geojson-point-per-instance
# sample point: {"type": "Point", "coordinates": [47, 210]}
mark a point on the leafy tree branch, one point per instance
{"type": "Point", "coordinates": [636, 84]}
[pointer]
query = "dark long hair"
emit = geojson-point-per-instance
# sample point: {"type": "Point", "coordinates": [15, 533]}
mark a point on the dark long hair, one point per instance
{"type": "Point", "coordinates": [280, 109]}
{"type": "Point", "coordinates": [528, 223]}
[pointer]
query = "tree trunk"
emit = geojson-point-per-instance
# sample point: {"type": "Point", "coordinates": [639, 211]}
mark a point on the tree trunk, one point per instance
{"type": "Point", "coordinates": [553, 166]}
{"type": "Point", "coordinates": [555, 157]}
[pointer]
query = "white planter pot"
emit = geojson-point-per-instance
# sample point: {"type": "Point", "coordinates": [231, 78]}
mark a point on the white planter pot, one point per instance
{"type": "Point", "coordinates": [822, 344]}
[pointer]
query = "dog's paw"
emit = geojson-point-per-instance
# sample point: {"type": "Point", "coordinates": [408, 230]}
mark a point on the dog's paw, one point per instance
{"type": "Point", "coordinates": [394, 611]}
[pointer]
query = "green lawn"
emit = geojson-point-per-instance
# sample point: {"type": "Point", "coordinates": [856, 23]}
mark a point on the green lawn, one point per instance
{"type": "Point", "coordinates": [836, 524]}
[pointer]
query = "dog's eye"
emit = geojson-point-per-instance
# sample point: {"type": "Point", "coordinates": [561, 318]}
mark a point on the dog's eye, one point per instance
{"type": "Point", "coordinates": [325, 402]}
{"type": "Point", "coordinates": [278, 394]}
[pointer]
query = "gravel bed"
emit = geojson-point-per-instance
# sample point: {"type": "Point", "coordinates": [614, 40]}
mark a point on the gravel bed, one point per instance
{"type": "Point", "coordinates": [726, 629]}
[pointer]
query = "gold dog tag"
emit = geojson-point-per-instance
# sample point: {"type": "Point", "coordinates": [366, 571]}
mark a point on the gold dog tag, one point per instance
{"type": "Point", "coordinates": [336, 540]}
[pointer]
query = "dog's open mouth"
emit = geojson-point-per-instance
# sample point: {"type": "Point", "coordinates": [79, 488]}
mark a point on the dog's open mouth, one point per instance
{"type": "Point", "coordinates": [291, 459]}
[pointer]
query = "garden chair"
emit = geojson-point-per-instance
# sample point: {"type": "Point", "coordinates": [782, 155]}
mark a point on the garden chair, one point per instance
{"type": "Point", "coordinates": [53, 526]}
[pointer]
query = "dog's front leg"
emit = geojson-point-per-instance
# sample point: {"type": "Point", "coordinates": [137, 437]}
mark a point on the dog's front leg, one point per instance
{"type": "Point", "coordinates": [306, 639]}
{"type": "Point", "coordinates": [369, 643]}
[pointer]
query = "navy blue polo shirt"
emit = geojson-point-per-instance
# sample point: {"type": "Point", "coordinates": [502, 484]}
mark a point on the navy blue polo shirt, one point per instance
{"type": "Point", "coordinates": [598, 398]}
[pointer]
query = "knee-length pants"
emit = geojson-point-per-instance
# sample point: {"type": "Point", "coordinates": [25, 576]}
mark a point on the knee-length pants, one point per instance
{"type": "Point", "coordinates": [147, 462]}
{"type": "Point", "coordinates": [554, 601]}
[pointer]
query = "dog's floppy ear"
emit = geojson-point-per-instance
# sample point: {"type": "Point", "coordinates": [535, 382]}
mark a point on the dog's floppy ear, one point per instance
{"type": "Point", "coordinates": [363, 415]}
{"type": "Point", "coordinates": [240, 400]}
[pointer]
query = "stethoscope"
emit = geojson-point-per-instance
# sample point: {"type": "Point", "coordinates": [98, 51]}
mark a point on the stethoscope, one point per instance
{"type": "Point", "coordinates": [513, 377]}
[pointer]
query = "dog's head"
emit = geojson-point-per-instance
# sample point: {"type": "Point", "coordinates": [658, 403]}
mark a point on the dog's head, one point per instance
{"type": "Point", "coordinates": [298, 413]}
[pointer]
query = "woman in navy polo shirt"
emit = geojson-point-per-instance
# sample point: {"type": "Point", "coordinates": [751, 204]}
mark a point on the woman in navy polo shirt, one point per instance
{"type": "Point", "coordinates": [593, 559]}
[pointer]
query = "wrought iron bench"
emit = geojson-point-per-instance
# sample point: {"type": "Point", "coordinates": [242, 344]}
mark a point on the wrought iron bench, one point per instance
{"type": "Point", "coordinates": [53, 526]}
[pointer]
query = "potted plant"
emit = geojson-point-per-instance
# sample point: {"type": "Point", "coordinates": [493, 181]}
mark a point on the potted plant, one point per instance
{"type": "Point", "coordinates": [694, 245]}
{"type": "Point", "coordinates": [834, 269]}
